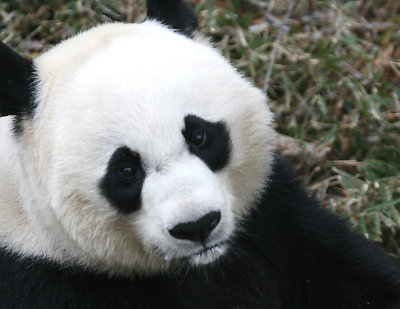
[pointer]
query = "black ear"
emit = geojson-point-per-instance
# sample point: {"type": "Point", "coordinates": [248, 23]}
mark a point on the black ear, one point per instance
{"type": "Point", "coordinates": [16, 77]}
{"type": "Point", "coordinates": [174, 13]}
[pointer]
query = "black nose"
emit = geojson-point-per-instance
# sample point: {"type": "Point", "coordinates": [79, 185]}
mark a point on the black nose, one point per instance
{"type": "Point", "coordinates": [197, 230]}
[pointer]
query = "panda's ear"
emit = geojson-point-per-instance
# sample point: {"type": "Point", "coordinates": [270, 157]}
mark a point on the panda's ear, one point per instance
{"type": "Point", "coordinates": [175, 13]}
{"type": "Point", "coordinates": [16, 76]}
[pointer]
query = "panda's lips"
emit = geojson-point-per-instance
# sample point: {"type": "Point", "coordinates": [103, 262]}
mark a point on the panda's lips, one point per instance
{"type": "Point", "coordinates": [206, 249]}
{"type": "Point", "coordinates": [204, 256]}
{"type": "Point", "coordinates": [207, 254]}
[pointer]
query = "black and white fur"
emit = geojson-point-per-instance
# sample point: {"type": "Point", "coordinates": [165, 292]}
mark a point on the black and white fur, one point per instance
{"type": "Point", "coordinates": [137, 171]}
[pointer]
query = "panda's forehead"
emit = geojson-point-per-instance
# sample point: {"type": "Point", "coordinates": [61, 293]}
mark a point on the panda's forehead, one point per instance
{"type": "Point", "coordinates": [125, 66]}
{"type": "Point", "coordinates": [141, 106]}
{"type": "Point", "coordinates": [133, 85]}
{"type": "Point", "coordinates": [130, 53]}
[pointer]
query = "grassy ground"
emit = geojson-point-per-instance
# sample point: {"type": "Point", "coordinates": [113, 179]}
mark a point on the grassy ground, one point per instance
{"type": "Point", "coordinates": [335, 86]}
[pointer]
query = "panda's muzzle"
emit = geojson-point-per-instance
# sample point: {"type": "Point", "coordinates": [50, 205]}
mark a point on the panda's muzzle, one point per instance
{"type": "Point", "coordinates": [197, 230]}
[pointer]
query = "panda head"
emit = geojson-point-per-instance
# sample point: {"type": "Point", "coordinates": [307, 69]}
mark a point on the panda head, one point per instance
{"type": "Point", "coordinates": [144, 149]}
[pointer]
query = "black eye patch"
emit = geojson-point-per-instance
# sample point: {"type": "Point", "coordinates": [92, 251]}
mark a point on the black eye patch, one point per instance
{"type": "Point", "coordinates": [207, 140]}
{"type": "Point", "coordinates": [122, 184]}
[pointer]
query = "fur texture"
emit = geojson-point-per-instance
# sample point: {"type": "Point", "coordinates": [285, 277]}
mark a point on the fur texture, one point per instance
{"type": "Point", "coordinates": [142, 175]}
{"type": "Point", "coordinates": [289, 254]}
{"type": "Point", "coordinates": [97, 97]}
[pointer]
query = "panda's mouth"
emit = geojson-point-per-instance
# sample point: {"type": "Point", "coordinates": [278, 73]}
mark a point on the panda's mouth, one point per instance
{"type": "Point", "coordinates": [204, 256]}
{"type": "Point", "coordinates": [207, 254]}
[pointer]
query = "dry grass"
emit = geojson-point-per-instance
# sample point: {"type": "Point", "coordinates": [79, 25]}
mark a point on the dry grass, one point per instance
{"type": "Point", "coordinates": [335, 87]}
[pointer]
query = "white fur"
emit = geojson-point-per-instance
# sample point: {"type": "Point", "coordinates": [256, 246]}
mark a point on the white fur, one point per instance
{"type": "Point", "coordinates": [124, 84]}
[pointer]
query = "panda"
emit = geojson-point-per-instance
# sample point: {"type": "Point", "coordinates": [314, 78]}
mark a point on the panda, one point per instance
{"type": "Point", "coordinates": [137, 170]}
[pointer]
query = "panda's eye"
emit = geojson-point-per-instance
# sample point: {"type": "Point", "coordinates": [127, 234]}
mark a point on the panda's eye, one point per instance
{"type": "Point", "coordinates": [123, 181]}
{"type": "Point", "coordinates": [210, 141]}
{"type": "Point", "coordinates": [127, 171]}
{"type": "Point", "coordinates": [198, 138]}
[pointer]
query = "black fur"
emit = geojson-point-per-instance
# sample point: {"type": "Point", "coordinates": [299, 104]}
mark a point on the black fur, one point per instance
{"type": "Point", "coordinates": [123, 192]}
{"type": "Point", "coordinates": [290, 254]}
{"type": "Point", "coordinates": [216, 149]}
{"type": "Point", "coordinates": [16, 86]}
{"type": "Point", "coordinates": [174, 13]}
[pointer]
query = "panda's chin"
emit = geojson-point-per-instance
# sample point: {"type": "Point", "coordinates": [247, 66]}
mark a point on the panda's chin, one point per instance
{"type": "Point", "coordinates": [205, 255]}
{"type": "Point", "coordinates": [208, 255]}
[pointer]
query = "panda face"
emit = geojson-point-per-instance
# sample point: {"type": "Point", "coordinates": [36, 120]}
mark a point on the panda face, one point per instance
{"type": "Point", "coordinates": [150, 146]}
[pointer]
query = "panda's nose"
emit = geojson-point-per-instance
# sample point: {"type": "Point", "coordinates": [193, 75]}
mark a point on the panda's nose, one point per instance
{"type": "Point", "coordinates": [197, 230]}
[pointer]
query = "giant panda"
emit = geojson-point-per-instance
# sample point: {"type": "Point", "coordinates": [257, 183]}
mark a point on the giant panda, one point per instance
{"type": "Point", "coordinates": [137, 170]}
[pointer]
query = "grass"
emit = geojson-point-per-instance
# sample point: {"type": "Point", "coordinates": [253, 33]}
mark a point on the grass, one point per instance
{"type": "Point", "coordinates": [335, 87]}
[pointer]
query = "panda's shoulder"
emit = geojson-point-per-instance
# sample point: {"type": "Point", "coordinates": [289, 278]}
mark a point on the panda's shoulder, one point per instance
{"type": "Point", "coordinates": [34, 282]}
{"type": "Point", "coordinates": [291, 210]}
{"type": "Point", "coordinates": [304, 240]}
